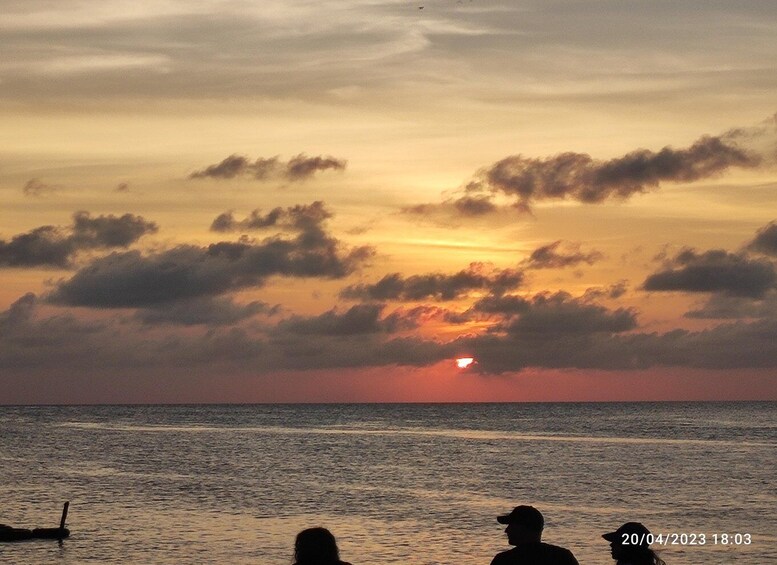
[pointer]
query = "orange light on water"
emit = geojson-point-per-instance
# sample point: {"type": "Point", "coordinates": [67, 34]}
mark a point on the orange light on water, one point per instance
{"type": "Point", "coordinates": [464, 362]}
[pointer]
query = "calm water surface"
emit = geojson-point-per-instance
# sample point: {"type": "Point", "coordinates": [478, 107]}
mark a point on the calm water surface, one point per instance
{"type": "Point", "coordinates": [395, 483]}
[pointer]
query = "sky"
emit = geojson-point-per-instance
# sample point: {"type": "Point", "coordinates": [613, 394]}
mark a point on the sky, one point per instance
{"type": "Point", "coordinates": [332, 201]}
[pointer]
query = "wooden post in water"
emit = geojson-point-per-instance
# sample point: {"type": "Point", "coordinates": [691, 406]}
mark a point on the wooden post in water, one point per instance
{"type": "Point", "coordinates": [64, 515]}
{"type": "Point", "coordinates": [54, 533]}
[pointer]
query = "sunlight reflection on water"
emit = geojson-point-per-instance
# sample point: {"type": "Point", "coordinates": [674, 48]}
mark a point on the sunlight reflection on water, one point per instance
{"type": "Point", "coordinates": [397, 484]}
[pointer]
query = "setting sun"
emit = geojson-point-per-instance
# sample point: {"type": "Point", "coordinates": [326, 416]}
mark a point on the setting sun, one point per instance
{"type": "Point", "coordinates": [464, 362]}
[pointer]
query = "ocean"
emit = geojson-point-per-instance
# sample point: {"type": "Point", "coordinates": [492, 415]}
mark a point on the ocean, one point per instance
{"type": "Point", "coordinates": [396, 483]}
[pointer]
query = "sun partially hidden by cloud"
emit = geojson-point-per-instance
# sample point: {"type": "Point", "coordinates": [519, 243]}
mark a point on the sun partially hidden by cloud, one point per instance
{"type": "Point", "coordinates": [464, 362]}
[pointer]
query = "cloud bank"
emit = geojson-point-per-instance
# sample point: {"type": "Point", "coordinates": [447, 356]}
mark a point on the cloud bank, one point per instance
{"type": "Point", "coordinates": [132, 279]}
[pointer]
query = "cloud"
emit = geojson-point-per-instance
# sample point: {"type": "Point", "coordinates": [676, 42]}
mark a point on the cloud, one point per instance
{"type": "Point", "coordinates": [728, 346]}
{"type": "Point", "coordinates": [765, 240]}
{"type": "Point", "coordinates": [52, 246]}
{"type": "Point", "coordinates": [35, 342]}
{"type": "Point", "coordinates": [109, 231]}
{"type": "Point", "coordinates": [436, 286]}
{"type": "Point", "coordinates": [559, 314]}
{"type": "Point", "coordinates": [359, 319]}
{"type": "Point", "coordinates": [36, 187]}
{"type": "Point", "coordinates": [302, 167]}
{"type": "Point", "coordinates": [19, 312]}
{"type": "Point", "coordinates": [474, 205]}
{"type": "Point", "coordinates": [208, 311]}
{"type": "Point", "coordinates": [504, 304]}
{"type": "Point", "coordinates": [722, 306]}
{"type": "Point", "coordinates": [122, 187]}
{"type": "Point", "coordinates": [577, 176]}
{"type": "Point", "coordinates": [560, 254]}
{"type": "Point", "coordinates": [298, 168]}
{"type": "Point", "coordinates": [517, 182]}
{"type": "Point", "coordinates": [552, 331]}
{"type": "Point", "coordinates": [717, 270]}
{"type": "Point", "coordinates": [561, 331]}
{"type": "Point", "coordinates": [304, 217]}
{"type": "Point", "coordinates": [131, 279]}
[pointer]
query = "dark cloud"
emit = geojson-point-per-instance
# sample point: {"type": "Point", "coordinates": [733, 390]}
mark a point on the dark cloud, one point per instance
{"type": "Point", "coordinates": [436, 286]}
{"type": "Point", "coordinates": [36, 187]}
{"type": "Point", "coordinates": [302, 167]}
{"type": "Point", "coordinates": [728, 346]}
{"type": "Point", "coordinates": [62, 343]}
{"type": "Point", "coordinates": [298, 168]}
{"type": "Point", "coordinates": [471, 207]}
{"type": "Point", "coordinates": [359, 319]}
{"type": "Point", "coordinates": [723, 306]}
{"type": "Point", "coordinates": [219, 311]}
{"type": "Point", "coordinates": [52, 246]}
{"type": "Point", "coordinates": [613, 291]}
{"type": "Point", "coordinates": [577, 176]}
{"type": "Point", "coordinates": [765, 240]}
{"type": "Point", "coordinates": [45, 246]}
{"type": "Point", "coordinates": [474, 206]}
{"type": "Point", "coordinates": [109, 231]}
{"type": "Point", "coordinates": [20, 312]}
{"type": "Point", "coordinates": [505, 304]}
{"type": "Point", "coordinates": [714, 271]}
{"type": "Point", "coordinates": [122, 187]}
{"type": "Point", "coordinates": [552, 331]}
{"type": "Point", "coordinates": [560, 254]}
{"type": "Point", "coordinates": [559, 314]}
{"type": "Point", "coordinates": [132, 279]}
{"type": "Point", "coordinates": [304, 217]}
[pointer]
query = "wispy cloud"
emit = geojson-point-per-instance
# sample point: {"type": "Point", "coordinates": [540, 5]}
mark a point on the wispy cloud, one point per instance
{"type": "Point", "coordinates": [298, 168]}
{"type": "Point", "coordinates": [36, 187]}
{"type": "Point", "coordinates": [560, 254]}
{"type": "Point", "coordinates": [437, 286]}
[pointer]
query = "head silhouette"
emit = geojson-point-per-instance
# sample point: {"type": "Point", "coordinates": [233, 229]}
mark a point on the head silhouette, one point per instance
{"type": "Point", "coordinates": [316, 546]}
{"type": "Point", "coordinates": [524, 525]}
{"type": "Point", "coordinates": [636, 548]}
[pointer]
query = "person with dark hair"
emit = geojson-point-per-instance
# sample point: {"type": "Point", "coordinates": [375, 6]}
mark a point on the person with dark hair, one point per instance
{"type": "Point", "coordinates": [629, 545]}
{"type": "Point", "coordinates": [316, 546]}
{"type": "Point", "coordinates": [524, 531]}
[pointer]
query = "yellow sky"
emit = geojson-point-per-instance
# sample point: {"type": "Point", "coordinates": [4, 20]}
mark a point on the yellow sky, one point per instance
{"type": "Point", "coordinates": [112, 110]}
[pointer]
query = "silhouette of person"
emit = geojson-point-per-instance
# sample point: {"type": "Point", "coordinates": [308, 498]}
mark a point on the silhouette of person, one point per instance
{"type": "Point", "coordinates": [629, 545]}
{"type": "Point", "coordinates": [524, 531]}
{"type": "Point", "coordinates": [316, 546]}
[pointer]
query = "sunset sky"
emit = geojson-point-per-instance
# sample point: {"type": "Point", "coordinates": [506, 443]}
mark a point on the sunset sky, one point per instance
{"type": "Point", "coordinates": [332, 201]}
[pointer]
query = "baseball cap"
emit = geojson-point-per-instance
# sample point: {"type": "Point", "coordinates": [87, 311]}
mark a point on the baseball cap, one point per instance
{"type": "Point", "coordinates": [527, 516]}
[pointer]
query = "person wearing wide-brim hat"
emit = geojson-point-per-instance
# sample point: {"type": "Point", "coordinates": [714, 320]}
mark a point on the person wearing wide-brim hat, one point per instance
{"type": "Point", "coordinates": [630, 545]}
{"type": "Point", "coordinates": [524, 531]}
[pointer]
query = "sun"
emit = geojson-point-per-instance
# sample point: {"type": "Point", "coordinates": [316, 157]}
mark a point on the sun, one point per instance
{"type": "Point", "coordinates": [464, 362]}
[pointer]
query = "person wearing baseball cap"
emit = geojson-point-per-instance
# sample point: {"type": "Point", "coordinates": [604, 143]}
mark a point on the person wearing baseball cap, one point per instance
{"type": "Point", "coordinates": [630, 545]}
{"type": "Point", "coordinates": [524, 531]}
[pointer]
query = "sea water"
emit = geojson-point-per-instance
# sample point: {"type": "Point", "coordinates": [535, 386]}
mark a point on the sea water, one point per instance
{"type": "Point", "coordinates": [396, 483]}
